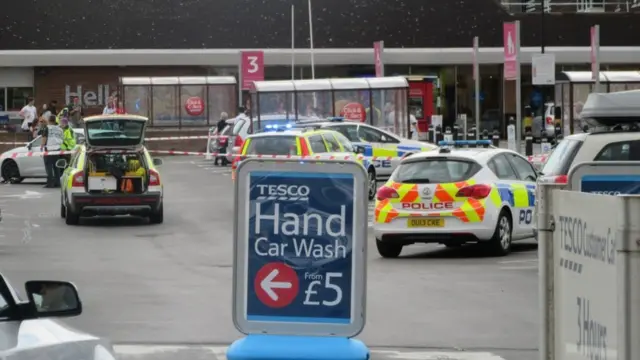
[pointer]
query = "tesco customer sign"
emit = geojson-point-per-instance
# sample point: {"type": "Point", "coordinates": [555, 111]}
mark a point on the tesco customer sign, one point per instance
{"type": "Point", "coordinates": [194, 106]}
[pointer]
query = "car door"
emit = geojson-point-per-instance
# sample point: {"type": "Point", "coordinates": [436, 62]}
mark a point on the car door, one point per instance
{"type": "Point", "coordinates": [71, 165]}
{"type": "Point", "coordinates": [385, 149]}
{"type": "Point", "coordinates": [516, 192]}
{"type": "Point", "coordinates": [33, 165]}
{"type": "Point", "coordinates": [317, 144]}
{"type": "Point", "coordinates": [332, 144]}
{"type": "Point", "coordinates": [527, 177]}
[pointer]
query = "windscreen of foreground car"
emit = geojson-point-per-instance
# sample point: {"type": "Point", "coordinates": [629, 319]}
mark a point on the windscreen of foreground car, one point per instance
{"type": "Point", "coordinates": [272, 145]}
{"type": "Point", "coordinates": [115, 132]}
{"type": "Point", "coordinates": [561, 158]}
{"type": "Point", "coordinates": [435, 171]}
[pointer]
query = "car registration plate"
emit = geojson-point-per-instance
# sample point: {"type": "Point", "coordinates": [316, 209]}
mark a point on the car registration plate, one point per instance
{"type": "Point", "coordinates": [425, 223]}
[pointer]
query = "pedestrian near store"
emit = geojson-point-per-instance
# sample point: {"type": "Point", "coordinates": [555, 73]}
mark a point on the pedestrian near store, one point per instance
{"type": "Point", "coordinates": [29, 114]}
{"type": "Point", "coordinates": [110, 108]}
{"type": "Point", "coordinates": [75, 112]}
{"type": "Point", "coordinates": [68, 139]}
{"type": "Point", "coordinates": [52, 139]}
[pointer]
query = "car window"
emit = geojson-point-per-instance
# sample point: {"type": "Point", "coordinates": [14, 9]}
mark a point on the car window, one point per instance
{"type": "Point", "coordinates": [435, 171]}
{"type": "Point", "coordinates": [525, 170]}
{"type": "Point", "coordinates": [272, 145]}
{"type": "Point", "coordinates": [4, 305]}
{"type": "Point", "coordinates": [372, 135]}
{"type": "Point", "coordinates": [317, 144]}
{"type": "Point", "coordinates": [333, 144]}
{"type": "Point", "coordinates": [346, 144]}
{"type": "Point", "coordinates": [74, 159]}
{"type": "Point", "coordinates": [561, 158]}
{"type": "Point", "coordinates": [349, 131]}
{"type": "Point", "coordinates": [502, 168]}
{"type": "Point", "coordinates": [238, 126]}
{"type": "Point", "coordinates": [620, 151]}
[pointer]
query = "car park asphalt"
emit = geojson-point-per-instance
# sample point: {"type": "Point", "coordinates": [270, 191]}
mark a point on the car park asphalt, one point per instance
{"type": "Point", "coordinates": [164, 291]}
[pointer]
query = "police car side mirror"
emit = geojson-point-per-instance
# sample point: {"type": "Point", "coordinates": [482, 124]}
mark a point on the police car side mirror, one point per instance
{"type": "Point", "coordinates": [53, 299]}
{"type": "Point", "coordinates": [61, 164]}
{"type": "Point", "coordinates": [29, 146]}
{"type": "Point", "coordinates": [358, 149]}
{"type": "Point", "coordinates": [157, 162]}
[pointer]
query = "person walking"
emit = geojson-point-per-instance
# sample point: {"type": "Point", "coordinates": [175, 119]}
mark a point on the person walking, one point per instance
{"type": "Point", "coordinates": [222, 123]}
{"type": "Point", "coordinates": [52, 139]}
{"type": "Point", "coordinates": [110, 108]}
{"type": "Point", "coordinates": [29, 114]}
{"type": "Point", "coordinates": [75, 112]}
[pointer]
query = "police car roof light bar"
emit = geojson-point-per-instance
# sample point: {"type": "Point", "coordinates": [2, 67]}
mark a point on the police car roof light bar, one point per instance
{"type": "Point", "coordinates": [458, 143]}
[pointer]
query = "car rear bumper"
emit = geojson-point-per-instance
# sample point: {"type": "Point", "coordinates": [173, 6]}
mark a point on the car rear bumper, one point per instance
{"type": "Point", "coordinates": [117, 204]}
{"type": "Point", "coordinates": [397, 231]}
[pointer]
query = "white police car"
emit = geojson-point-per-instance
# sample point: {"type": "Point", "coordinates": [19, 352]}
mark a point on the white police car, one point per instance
{"type": "Point", "coordinates": [456, 195]}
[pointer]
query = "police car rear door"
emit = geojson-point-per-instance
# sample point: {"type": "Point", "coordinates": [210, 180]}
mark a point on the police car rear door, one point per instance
{"type": "Point", "coordinates": [384, 148]}
{"type": "Point", "coordinates": [115, 132]}
{"type": "Point", "coordinates": [527, 177]}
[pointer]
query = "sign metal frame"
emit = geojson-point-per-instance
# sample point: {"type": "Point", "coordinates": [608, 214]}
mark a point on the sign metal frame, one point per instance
{"type": "Point", "coordinates": [601, 168]}
{"type": "Point", "coordinates": [358, 248]}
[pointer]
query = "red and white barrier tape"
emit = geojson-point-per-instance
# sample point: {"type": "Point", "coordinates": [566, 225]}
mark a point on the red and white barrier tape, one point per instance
{"type": "Point", "coordinates": [161, 138]}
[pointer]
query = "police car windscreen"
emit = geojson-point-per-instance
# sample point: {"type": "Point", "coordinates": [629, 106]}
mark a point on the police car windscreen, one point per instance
{"type": "Point", "coordinates": [435, 171]}
{"type": "Point", "coordinates": [272, 145]}
{"type": "Point", "coordinates": [561, 158]}
{"type": "Point", "coordinates": [115, 132]}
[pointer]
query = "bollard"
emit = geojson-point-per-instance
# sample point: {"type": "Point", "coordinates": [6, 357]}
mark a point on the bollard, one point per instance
{"type": "Point", "coordinates": [471, 134]}
{"type": "Point", "coordinates": [485, 134]}
{"type": "Point", "coordinates": [448, 135]}
{"type": "Point", "coordinates": [495, 139]}
{"type": "Point", "coordinates": [431, 137]}
{"type": "Point", "coordinates": [528, 144]}
{"type": "Point", "coordinates": [456, 133]}
{"type": "Point", "coordinates": [439, 136]}
{"type": "Point", "coordinates": [511, 135]}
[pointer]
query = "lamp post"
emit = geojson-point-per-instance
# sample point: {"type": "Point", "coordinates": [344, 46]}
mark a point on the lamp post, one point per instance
{"type": "Point", "coordinates": [543, 88]}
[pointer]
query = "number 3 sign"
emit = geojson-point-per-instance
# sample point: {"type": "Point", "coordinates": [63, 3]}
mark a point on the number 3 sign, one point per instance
{"type": "Point", "coordinates": [251, 68]}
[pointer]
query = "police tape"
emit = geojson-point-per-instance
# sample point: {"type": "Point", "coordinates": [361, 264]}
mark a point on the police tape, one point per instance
{"type": "Point", "coordinates": [161, 138]}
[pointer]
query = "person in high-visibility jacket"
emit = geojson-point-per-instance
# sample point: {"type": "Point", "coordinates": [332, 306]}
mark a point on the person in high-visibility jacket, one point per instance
{"type": "Point", "coordinates": [133, 170]}
{"type": "Point", "coordinates": [68, 139]}
{"type": "Point", "coordinates": [64, 113]}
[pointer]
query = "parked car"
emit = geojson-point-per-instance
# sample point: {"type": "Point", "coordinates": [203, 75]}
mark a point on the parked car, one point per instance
{"type": "Point", "coordinates": [15, 166]}
{"type": "Point", "coordinates": [30, 329]}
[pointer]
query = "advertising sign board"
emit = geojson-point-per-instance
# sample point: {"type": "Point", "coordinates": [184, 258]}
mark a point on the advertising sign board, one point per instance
{"type": "Point", "coordinates": [300, 248]}
{"type": "Point", "coordinates": [585, 275]}
{"type": "Point", "coordinates": [510, 34]}
{"type": "Point", "coordinates": [607, 178]}
{"type": "Point", "coordinates": [378, 50]}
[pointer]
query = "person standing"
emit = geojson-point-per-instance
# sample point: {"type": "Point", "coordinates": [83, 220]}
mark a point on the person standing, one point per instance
{"type": "Point", "coordinates": [29, 113]}
{"type": "Point", "coordinates": [52, 139]}
{"type": "Point", "coordinates": [111, 107]}
{"type": "Point", "coordinates": [68, 139]}
{"type": "Point", "coordinates": [75, 112]}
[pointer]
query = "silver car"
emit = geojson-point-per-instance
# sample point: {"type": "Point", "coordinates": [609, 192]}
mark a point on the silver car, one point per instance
{"type": "Point", "coordinates": [29, 330]}
{"type": "Point", "coordinates": [25, 161]}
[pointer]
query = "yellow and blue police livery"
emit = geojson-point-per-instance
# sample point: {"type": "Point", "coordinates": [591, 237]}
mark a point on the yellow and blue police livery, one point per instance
{"type": "Point", "coordinates": [457, 195]}
{"type": "Point", "coordinates": [384, 148]}
{"type": "Point", "coordinates": [283, 141]}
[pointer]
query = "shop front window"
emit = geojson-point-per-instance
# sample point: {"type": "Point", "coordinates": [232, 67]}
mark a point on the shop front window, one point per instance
{"type": "Point", "coordinates": [3, 105]}
{"type": "Point", "coordinates": [16, 97]}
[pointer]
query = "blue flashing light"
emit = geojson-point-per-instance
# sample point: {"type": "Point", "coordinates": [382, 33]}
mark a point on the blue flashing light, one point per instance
{"type": "Point", "coordinates": [464, 142]}
{"type": "Point", "coordinates": [335, 119]}
{"type": "Point", "coordinates": [288, 126]}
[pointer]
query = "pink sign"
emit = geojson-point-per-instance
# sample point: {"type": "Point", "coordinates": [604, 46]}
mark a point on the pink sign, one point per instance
{"type": "Point", "coordinates": [354, 112]}
{"type": "Point", "coordinates": [594, 52]}
{"type": "Point", "coordinates": [194, 106]}
{"type": "Point", "coordinates": [378, 48]}
{"type": "Point", "coordinates": [510, 34]}
{"type": "Point", "coordinates": [251, 68]}
{"type": "Point", "coordinates": [475, 56]}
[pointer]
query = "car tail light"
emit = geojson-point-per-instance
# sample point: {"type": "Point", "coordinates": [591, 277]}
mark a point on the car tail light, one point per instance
{"type": "Point", "coordinates": [479, 191]}
{"type": "Point", "coordinates": [386, 193]}
{"type": "Point", "coordinates": [549, 120]}
{"type": "Point", "coordinates": [238, 142]}
{"type": "Point", "coordinates": [236, 160]}
{"type": "Point", "coordinates": [77, 180]}
{"type": "Point", "coordinates": [222, 140]}
{"type": "Point", "coordinates": [560, 179]}
{"type": "Point", "coordinates": [154, 178]}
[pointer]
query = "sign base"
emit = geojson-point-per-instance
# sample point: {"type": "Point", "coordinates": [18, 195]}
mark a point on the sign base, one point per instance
{"type": "Point", "coordinates": [281, 347]}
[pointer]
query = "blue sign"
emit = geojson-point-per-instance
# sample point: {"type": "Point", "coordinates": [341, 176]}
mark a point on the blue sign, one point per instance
{"type": "Point", "coordinates": [610, 184]}
{"type": "Point", "coordinates": [302, 249]}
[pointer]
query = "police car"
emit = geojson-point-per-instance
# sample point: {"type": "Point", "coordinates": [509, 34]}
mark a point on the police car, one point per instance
{"type": "Point", "coordinates": [456, 195]}
{"type": "Point", "coordinates": [304, 142]}
{"type": "Point", "coordinates": [112, 173]}
{"type": "Point", "coordinates": [374, 142]}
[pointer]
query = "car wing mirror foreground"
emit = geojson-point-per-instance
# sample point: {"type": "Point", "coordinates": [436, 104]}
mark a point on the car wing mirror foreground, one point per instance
{"type": "Point", "coordinates": [49, 298]}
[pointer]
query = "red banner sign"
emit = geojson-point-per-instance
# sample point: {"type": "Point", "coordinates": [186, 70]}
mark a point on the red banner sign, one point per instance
{"type": "Point", "coordinates": [251, 68]}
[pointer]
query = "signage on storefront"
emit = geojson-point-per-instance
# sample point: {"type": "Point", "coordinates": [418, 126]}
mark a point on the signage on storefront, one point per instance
{"type": "Point", "coordinates": [194, 106]}
{"type": "Point", "coordinates": [354, 112]}
{"type": "Point", "coordinates": [88, 96]}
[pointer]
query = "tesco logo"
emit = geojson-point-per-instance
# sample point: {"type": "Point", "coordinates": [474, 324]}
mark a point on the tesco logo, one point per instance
{"type": "Point", "coordinates": [434, 206]}
{"type": "Point", "coordinates": [607, 192]}
{"type": "Point", "coordinates": [284, 190]}
{"type": "Point", "coordinates": [194, 106]}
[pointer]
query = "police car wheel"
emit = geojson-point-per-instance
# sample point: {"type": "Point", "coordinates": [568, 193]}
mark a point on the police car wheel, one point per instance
{"type": "Point", "coordinates": [70, 217]}
{"type": "Point", "coordinates": [373, 184]}
{"type": "Point", "coordinates": [388, 249]}
{"type": "Point", "coordinates": [500, 243]}
{"type": "Point", "coordinates": [158, 216]}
